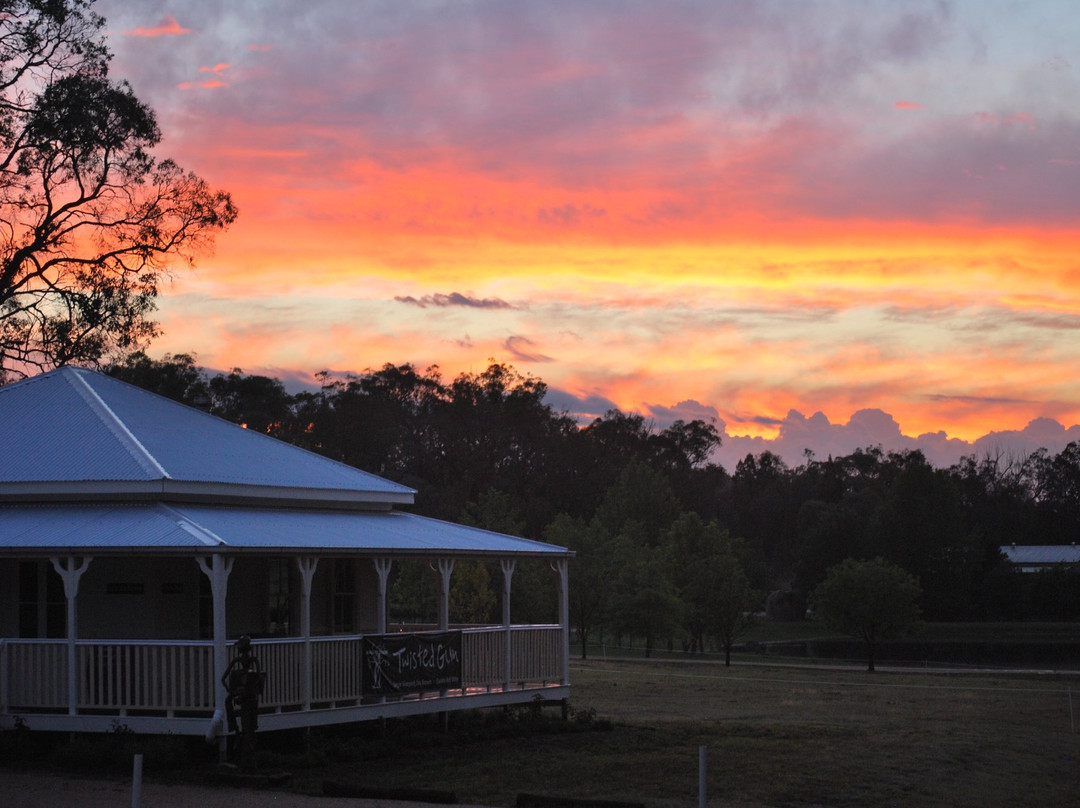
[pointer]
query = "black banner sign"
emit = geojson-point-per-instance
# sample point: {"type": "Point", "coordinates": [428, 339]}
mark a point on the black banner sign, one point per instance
{"type": "Point", "coordinates": [411, 663]}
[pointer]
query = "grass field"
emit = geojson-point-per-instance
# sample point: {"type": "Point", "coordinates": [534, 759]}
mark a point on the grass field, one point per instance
{"type": "Point", "coordinates": [812, 735]}
{"type": "Point", "coordinates": [774, 737]}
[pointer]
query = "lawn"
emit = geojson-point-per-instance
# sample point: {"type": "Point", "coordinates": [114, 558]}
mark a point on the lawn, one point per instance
{"type": "Point", "coordinates": [774, 737]}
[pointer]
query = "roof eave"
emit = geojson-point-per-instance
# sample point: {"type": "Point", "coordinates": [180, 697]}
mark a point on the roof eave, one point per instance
{"type": "Point", "coordinates": [185, 491]}
{"type": "Point", "coordinates": [327, 552]}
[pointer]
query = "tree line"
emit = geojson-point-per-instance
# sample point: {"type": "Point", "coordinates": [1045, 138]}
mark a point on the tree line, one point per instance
{"type": "Point", "coordinates": [671, 547]}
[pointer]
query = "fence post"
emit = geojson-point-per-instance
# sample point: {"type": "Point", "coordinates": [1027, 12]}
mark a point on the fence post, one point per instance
{"type": "Point", "coordinates": [136, 783]}
{"type": "Point", "coordinates": [701, 777]}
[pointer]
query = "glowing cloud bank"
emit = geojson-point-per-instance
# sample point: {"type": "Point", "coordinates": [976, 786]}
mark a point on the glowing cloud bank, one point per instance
{"type": "Point", "coordinates": [864, 212]}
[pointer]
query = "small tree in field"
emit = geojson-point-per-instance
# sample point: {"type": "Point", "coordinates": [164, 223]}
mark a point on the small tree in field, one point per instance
{"type": "Point", "coordinates": [728, 617]}
{"type": "Point", "coordinates": [872, 601]}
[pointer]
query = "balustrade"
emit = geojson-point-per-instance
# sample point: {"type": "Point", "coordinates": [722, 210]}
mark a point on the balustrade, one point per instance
{"type": "Point", "coordinates": [178, 676]}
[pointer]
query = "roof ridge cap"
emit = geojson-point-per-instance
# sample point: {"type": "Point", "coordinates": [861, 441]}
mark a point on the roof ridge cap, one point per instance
{"type": "Point", "coordinates": [139, 453]}
{"type": "Point", "coordinates": [189, 525]}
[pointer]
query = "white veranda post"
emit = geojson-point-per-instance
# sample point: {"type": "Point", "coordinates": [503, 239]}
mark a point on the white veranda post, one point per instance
{"type": "Point", "coordinates": [445, 570]}
{"type": "Point", "coordinates": [507, 565]}
{"type": "Point", "coordinates": [218, 572]}
{"type": "Point", "coordinates": [307, 566]}
{"type": "Point", "coordinates": [382, 569]}
{"type": "Point", "coordinates": [70, 573]}
{"type": "Point", "coordinates": [562, 570]}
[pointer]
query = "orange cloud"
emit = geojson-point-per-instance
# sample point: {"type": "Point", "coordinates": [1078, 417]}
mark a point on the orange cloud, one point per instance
{"type": "Point", "coordinates": [907, 105]}
{"type": "Point", "coordinates": [210, 84]}
{"type": "Point", "coordinates": [217, 69]}
{"type": "Point", "coordinates": [167, 27]}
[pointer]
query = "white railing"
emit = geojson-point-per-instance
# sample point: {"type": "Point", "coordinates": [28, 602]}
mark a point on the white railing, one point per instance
{"type": "Point", "coordinates": [483, 657]}
{"type": "Point", "coordinates": [178, 676]}
{"type": "Point", "coordinates": [283, 663]}
{"type": "Point", "coordinates": [147, 675]}
{"type": "Point", "coordinates": [335, 668]}
{"type": "Point", "coordinates": [36, 675]}
{"type": "Point", "coordinates": [535, 654]}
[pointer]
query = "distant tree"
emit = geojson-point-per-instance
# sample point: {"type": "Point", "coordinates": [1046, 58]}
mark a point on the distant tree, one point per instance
{"type": "Point", "coordinates": [533, 595]}
{"type": "Point", "coordinates": [641, 495]}
{"type": "Point", "coordinates": [474, 597]}
{"type": "Point", "coordinates": [494, 510]}
{"type": "Point", "coordinates": [176, 377]}
{"type": "Point", "coordinates": [763, 508]}
{"type": "Point", "coordinates": [829, 532]}
{"type": "Point", "coordinates": [256, 402]}
{"type": "Point", "coordinates": [90, 219]}
{"type": "Point", "coordinates": [873, 601]}
{"type": "Point", "coordinates": [382, 421]}
{"type": "Point", "coordinates": [685, 445]}
{"type": "Point", "coordinates": [593, 573]}
{"type": "Point", "coordinates": [710, 581]}
{"type": "Point", "coordinates": [921, 528]}
{"type": "Point", "coordinates": [690, 546]}
{"type": "Point", "coordinates": [1058, 495]}
{"type": "Point", "coordinates": [644, 603]}
{"type": "Point", "coordinates": [729, 610]}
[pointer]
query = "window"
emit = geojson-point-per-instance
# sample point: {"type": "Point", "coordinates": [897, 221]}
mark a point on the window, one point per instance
{"type": "Point", "coordinates": [42, 603]}
{"type": "Point", "coordinates": [343, 597]}
{"type": "Point", "coordinates": [206, 608]}
{"type": "Point", "coordinates": [280, 602]}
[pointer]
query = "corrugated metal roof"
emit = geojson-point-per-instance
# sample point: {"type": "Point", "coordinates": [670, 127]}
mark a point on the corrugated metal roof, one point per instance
{"type": "Point", "coordinates": [77, 438]}
{"type": "Point", "coordinates": [1042, 554]}
{"type": "Point", "coordinates": [106, 528]}
{"type": "Point", "coordinates": [77, 426]}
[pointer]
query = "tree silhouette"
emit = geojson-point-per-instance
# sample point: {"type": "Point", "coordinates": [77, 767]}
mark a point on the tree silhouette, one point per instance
{"type": "Point", "coordinates": [90, 220]}
{"type": "Point", "coordinates": [872, 601]}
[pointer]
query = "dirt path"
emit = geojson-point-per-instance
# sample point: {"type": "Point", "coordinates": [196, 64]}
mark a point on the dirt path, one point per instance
{"type": "Point", "coordinates": [37, 789]}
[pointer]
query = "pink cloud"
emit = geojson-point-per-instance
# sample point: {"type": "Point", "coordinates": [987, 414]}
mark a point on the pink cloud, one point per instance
{"type": "Point", "coordinates": [260, 48]}
{"type": "Point", "coordinates": [988, 118]}
{"type": "Point", "coordinates": [210, 84]}
{"type": "Point", "coordinates": [167, 27]}
{"type": "Point", "coordinates": [217, 69]}
{"type": "Point", "coordinates": [907, 105]}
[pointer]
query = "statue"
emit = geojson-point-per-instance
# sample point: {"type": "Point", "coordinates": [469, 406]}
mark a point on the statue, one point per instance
{"type": "Point", "coordinates": [243, 681]}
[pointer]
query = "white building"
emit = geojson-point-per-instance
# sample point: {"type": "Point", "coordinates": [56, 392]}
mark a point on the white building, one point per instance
{"type": "Point", "coordinates": [139, 537]}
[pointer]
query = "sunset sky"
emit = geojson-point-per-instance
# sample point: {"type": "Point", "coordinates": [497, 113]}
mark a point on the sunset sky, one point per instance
{"type": "Point", "coordinates": [826, 225]}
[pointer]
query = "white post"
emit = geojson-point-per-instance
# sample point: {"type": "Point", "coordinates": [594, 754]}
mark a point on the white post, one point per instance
{"type": "Point", "coordinates": [561, 568]}
{"type": "Point", "coordinates": [136, 783]}
{"type": "Point", "coordinates": [307, 574]}
{"type": "Point", "coordinates": [70, 573]}
{"type": "Point", "coordinates": [382, 569]}
{"type": "Point", "coordinates": [507, 565]}
{"type": "Point", "coordinates": [701, 777]}
{"type": "Point", "coordinates": [218, 571]}
{"type": "Point", "coordinates": [3, 675]}
{"type": "Point", "coordinates": [445, 568]}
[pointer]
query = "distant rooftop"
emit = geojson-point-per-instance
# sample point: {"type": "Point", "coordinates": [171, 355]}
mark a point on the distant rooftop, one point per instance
{"type": "Point", "coordinates": [1031, 557]}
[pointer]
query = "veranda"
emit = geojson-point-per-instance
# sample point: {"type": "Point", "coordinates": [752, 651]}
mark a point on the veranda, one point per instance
{"type": "Point", "coordinates": [174, 685]}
